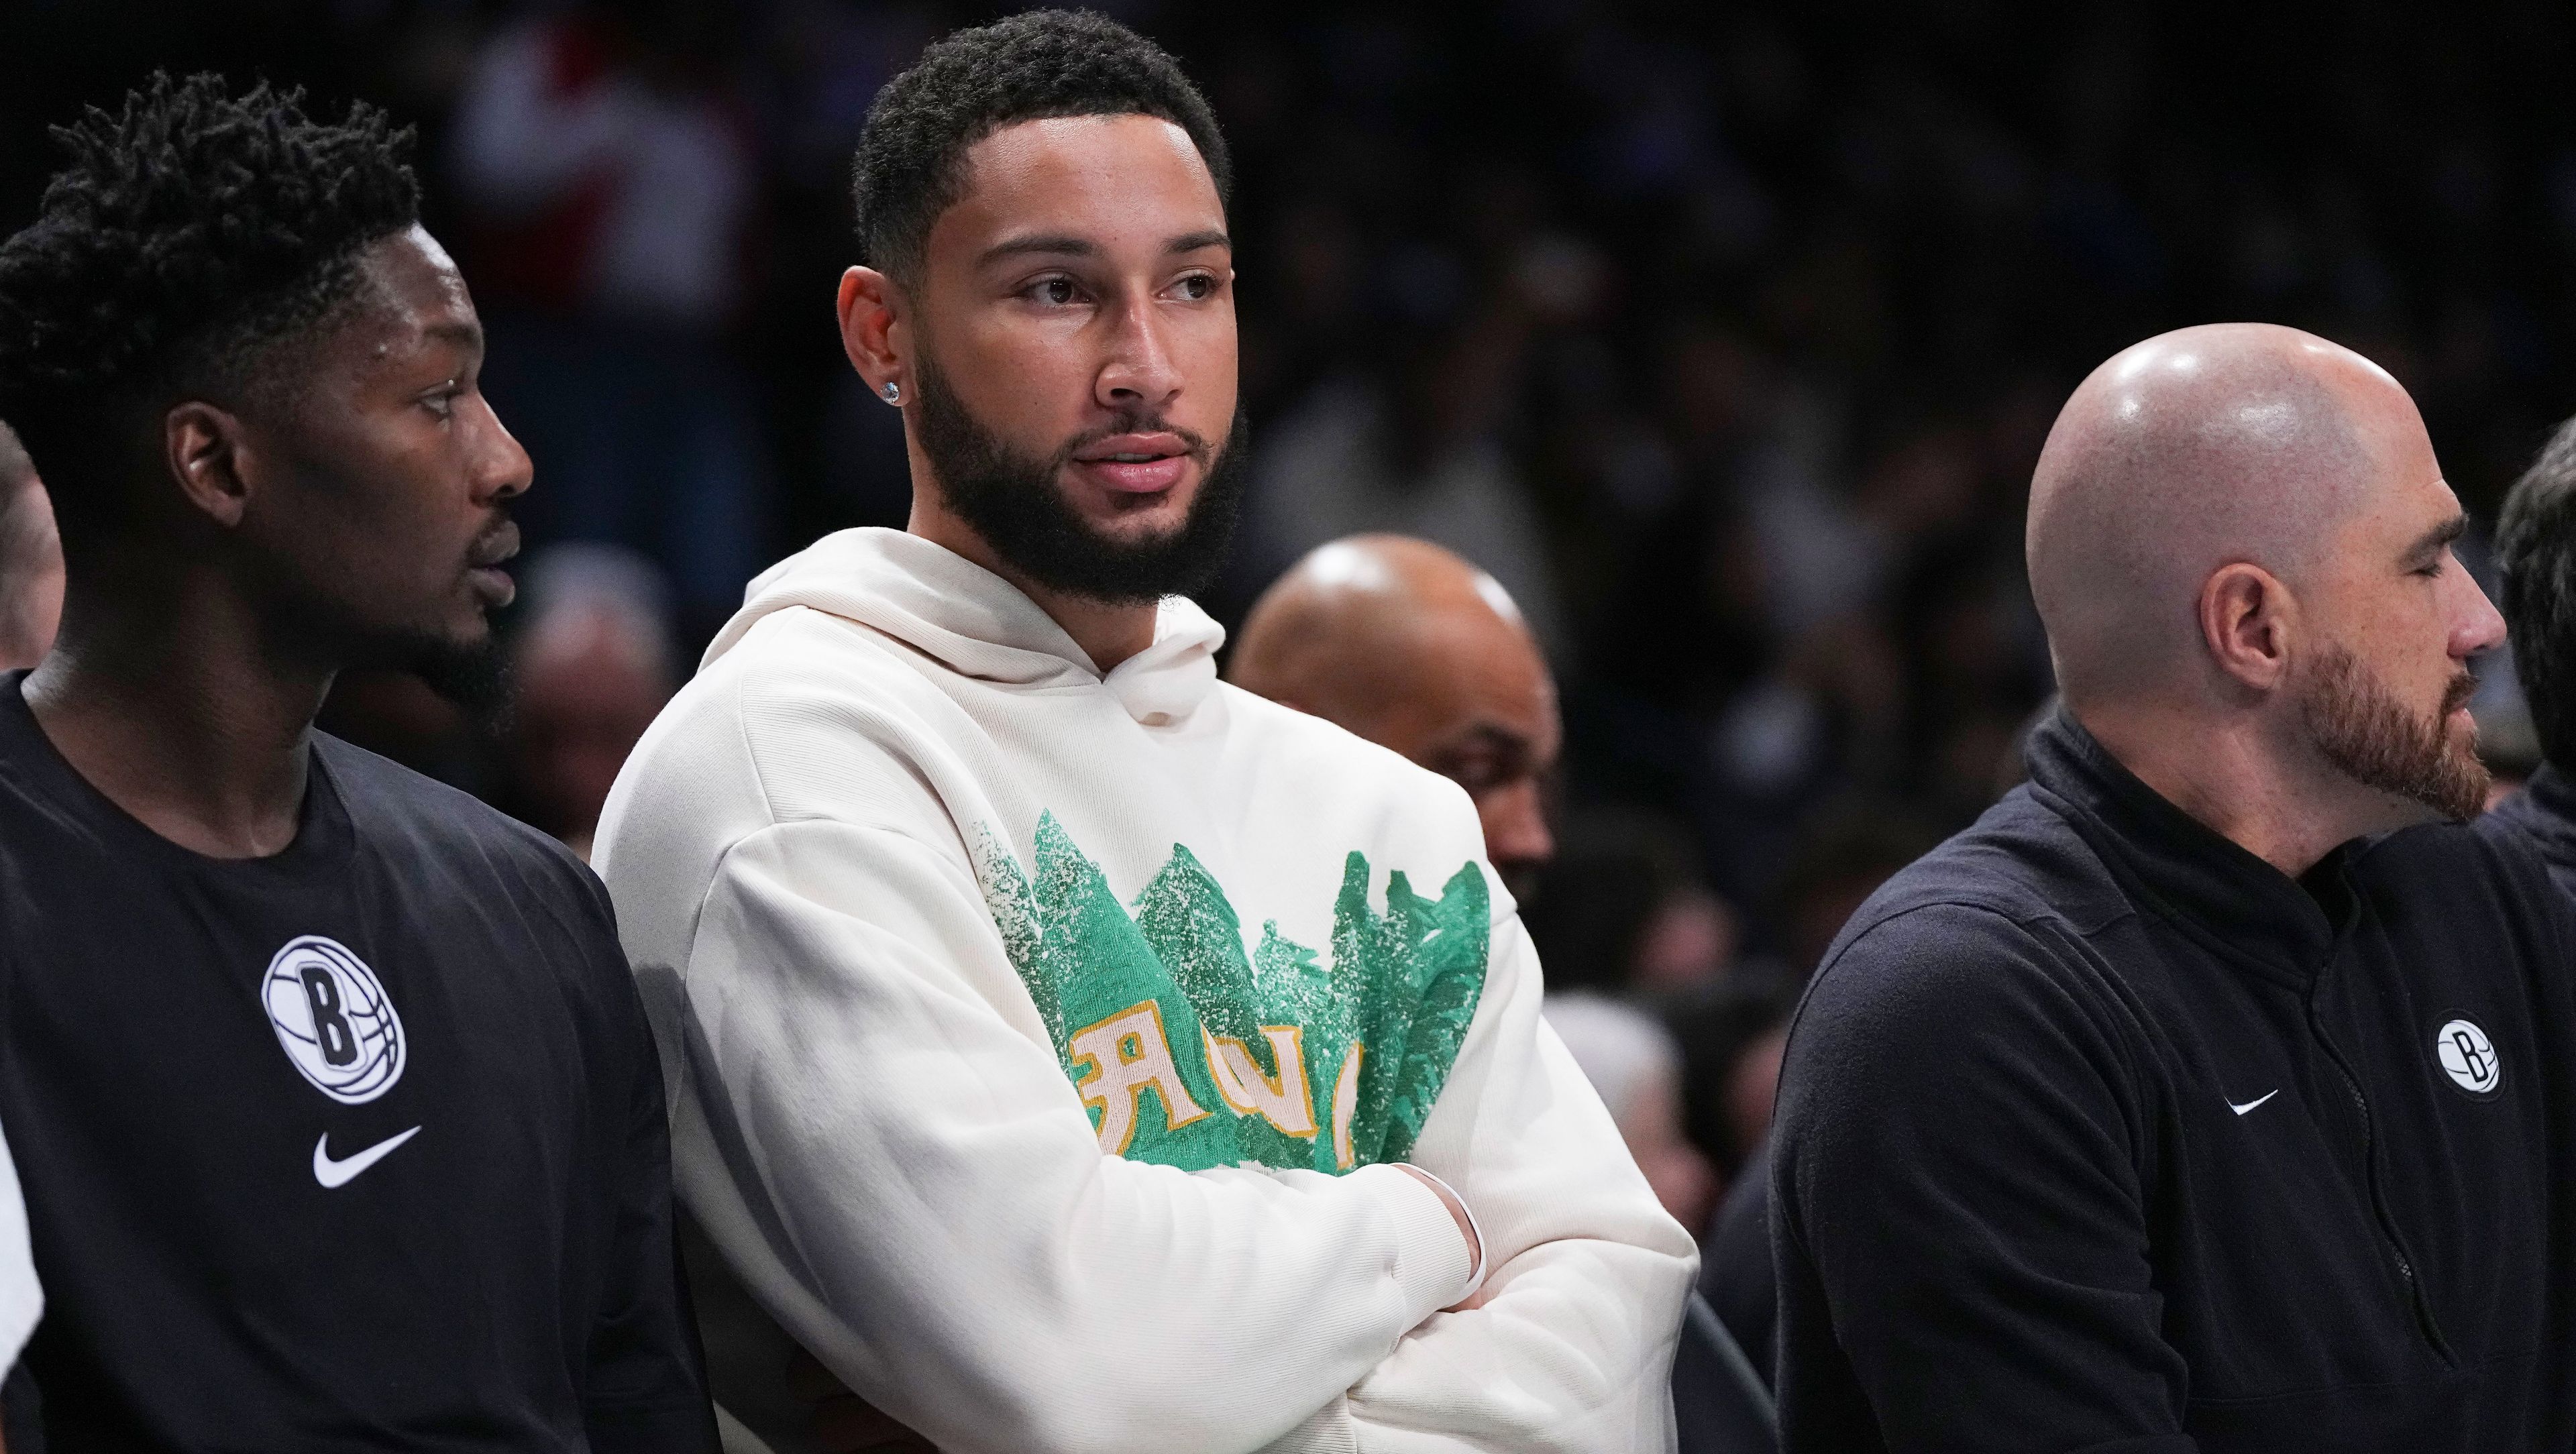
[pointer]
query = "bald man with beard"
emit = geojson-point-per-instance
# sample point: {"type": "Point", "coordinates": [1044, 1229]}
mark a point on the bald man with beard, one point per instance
{"type": "Point", "coordinates": [2211, 1092]}
{"type": "Point", "coordinates": [1403, 643]}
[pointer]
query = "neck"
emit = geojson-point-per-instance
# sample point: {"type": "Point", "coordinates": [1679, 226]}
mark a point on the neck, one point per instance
{"type": "Point", "coordinates": [167, 698]}
{"type": "Point", "coordinates": [2237, 779]}
{"type": "Point", "coordinates": [1108, 632]}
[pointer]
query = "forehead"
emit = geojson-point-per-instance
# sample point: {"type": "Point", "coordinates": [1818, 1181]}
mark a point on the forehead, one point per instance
{"type": "Point", "coordinates": [410, 293]}
{"type": "Point", "coordinates": [1111, 180]}
{"type": "Point", "coordinates": [1489, 669]}
{"type": "Point", "coordinates": [2404, 493]}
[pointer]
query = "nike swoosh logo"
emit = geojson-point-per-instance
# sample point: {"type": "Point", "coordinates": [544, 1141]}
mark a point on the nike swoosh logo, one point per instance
{"type": "Point", "coordinates": [2231, 1105]}
{"type": "Point", "coordinates": [340, 1173]}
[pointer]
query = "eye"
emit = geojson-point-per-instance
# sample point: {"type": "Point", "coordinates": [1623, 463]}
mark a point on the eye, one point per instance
{"type": "Point", "coordinates": [1055, 292]}
{"type": "Point", "coordinates": [1197, 287]}
{"type": "Point", "coordinates": [441, 401]}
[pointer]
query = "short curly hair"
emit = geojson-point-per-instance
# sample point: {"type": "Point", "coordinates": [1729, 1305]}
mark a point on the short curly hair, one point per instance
{"type": "Point", "coordinates": [188, 235]}
{"type": "Point", "coordinates": [966, 86]}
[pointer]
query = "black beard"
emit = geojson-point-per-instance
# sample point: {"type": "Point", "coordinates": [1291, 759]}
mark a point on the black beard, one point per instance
{"type": "Point", "coordinates": [1012, 502]}
{"type": "Point", "coordinates": [2361, 728]}
{"type": "Point", "coordinates": [476, 678]}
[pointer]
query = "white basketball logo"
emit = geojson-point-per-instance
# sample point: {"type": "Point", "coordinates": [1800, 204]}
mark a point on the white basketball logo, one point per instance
{"type": "Point", "coordinates": [334, 1019]}
{"type": "Point", "coordinates": [2468, 1056]}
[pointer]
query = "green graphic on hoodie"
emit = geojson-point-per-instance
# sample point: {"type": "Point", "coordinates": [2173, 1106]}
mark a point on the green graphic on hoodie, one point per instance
{"type": "Point", "coordinates": [1192, 1054]}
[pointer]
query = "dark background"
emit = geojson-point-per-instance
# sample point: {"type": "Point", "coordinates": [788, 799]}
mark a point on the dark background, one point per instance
{"type": "Point", "coordinates": [1725, 335]}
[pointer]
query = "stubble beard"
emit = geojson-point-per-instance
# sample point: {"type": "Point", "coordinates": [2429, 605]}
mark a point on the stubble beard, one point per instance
{"type": "Point", "coordinates": [2366, 733]}
{"type": "Point", "coordinates": [1012, 501]}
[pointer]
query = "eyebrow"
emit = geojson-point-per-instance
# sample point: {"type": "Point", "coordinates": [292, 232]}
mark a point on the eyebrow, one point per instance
{"type": "Point", "coordinates": [1053, 244]}
{"type": "Point", "coordinates": [1486, 733]}
{"type": "Point", "coordinates": [2439, 536]}
{"type": "Point", "coordinates": [465, 335]}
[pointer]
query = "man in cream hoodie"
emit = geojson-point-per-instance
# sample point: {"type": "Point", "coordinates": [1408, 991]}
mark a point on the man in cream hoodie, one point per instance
{"type": "Point", "coordinates": [1071, 1051]}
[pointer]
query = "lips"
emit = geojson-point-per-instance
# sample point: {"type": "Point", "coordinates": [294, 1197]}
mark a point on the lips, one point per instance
{"type": "Point", "coordinates": [483, 565]}
{"type": "Point", "coordinates": [496, 545]}
{"type": "Point", "coordinates": [1135, 464]}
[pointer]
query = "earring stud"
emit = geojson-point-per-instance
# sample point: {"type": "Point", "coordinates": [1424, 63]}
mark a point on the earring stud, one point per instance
{"type": "Point", "coordinates": [892, 391]}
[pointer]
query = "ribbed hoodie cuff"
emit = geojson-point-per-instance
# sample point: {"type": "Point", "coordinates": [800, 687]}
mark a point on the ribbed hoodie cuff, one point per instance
{"type": "Point", "coordinates": [1329, 1431]}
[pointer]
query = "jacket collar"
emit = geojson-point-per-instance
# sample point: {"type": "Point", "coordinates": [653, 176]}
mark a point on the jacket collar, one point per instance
{"type": "Point", "coordinates": [2179, 867]}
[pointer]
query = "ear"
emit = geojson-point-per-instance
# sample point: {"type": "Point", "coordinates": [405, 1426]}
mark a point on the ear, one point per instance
{"type": "Point", "coordinates": [209, 457]}
{"type": "Point", "coordinates": [868, 330]}
{"type": "Point", "coordinates": [2247, 621]}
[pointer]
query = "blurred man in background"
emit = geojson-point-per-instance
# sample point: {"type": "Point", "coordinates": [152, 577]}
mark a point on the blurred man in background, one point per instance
{"type": "Point", "coordinates": [591, 662]}
{"type": "Point", "coordinates": [2172, 1107]}
{"type": "Point", "coordinates": [31, 560]}
{"type": "Point", "coordinates": [2536, 557]}
{"type": "Point", "coordinates": [1411, 647]}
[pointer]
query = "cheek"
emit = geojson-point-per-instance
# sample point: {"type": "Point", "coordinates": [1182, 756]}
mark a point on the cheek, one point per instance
{"type": "Point", "coordinates": [1029, 383]}
{"type": "Point", "coordinates": [1207, 357]}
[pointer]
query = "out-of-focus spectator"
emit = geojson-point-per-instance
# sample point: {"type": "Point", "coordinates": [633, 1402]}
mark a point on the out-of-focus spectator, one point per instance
{"type": "Point", "coordinates": [1691, 940]}
{"type": "Point", "coordinates": [1415, 649]}
{"type": "Point", "coordinates": [1843, 854]}
{"type": "Point", "coordinates": [610, 176]}
{"type": "Point", "coordinates": [31, 560]}
{"type": "Point", "coordinates": [1416, 452]}
{"type": "Point", "coordinates": [1625, 911]}
{"type": "Point", "coordinates": [1630, 1060]}
{"type": "Point", "coordinates": [592, 663]}
{"type": "Point", "coordinates": [1731, 1036]}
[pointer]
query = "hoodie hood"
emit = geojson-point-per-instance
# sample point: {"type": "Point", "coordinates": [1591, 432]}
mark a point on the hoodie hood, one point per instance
{"type": "Point", "coordinates": [975, 623]}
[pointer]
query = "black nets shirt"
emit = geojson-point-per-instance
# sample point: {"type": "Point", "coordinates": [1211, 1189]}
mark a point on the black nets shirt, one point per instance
{"type": "Point", "coordinates": [359, 1146]}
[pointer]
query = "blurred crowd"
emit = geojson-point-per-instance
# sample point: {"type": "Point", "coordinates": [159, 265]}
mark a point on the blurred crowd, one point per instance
{"type": "Point", "coordinates": [1724, 337]}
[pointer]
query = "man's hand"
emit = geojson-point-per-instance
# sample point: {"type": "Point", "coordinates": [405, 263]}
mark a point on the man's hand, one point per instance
{"type": "Point", "coordinates": [1457, 1214]}
{"type": "Point", "coordinates": [845, 1423]}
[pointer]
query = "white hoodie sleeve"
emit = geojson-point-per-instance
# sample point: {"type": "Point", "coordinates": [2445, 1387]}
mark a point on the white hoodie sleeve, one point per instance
{"type": "Point", "coordinates": [928, 1211]}
{"type": "Point", "coordinates": [1569, 1344]}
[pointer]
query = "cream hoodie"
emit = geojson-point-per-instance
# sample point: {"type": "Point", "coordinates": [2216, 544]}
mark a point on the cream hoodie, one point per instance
{"type": "Point", "coordinates": [1038, 1041]}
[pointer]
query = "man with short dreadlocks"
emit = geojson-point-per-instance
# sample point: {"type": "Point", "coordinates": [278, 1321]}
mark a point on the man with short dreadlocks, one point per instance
{"type": "Point", "coordinates": [337, 1114]}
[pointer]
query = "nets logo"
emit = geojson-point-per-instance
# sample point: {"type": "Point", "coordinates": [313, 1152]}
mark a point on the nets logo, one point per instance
{"type": "Point", "coordinates": [334, 1019]}
{"type": "Point", "coordinates": [2468, 1057]}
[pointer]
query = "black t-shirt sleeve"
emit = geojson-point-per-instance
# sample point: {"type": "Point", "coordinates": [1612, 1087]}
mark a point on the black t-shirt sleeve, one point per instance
{"type": "Point", "coordinates": [646, 1389]}
{"type": "Point", "coordinates": [1958, 1222]}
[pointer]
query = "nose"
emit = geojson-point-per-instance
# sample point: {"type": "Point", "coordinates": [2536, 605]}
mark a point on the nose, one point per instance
{"type": "Point", "coordinates": [1515, 821]}
{"type": "Point", "coordinates": [501, 465]}
{"type": "Point", "coordinates": [2480, 627]}
{"type": "Point", "coordinates": [1139, 376]}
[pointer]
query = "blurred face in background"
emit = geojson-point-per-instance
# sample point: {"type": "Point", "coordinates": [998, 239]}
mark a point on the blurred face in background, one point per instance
{"type": "Point", "coordinates": [589, 680]}
{"type": "Point", "coordinates": [1478, 708]}
{"type": "Point", "coordinates": [1072, 356]}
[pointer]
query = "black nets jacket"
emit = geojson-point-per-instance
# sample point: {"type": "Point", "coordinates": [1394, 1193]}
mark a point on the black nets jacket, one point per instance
{"type": "Point", "coordinates": [2097, 1133]}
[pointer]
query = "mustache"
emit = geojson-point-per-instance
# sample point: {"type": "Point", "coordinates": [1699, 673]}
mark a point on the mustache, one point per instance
{"type": "Point", "coordinates": [1194, 443]}
{"type": "Point", "coordinates": [2463, 687]}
